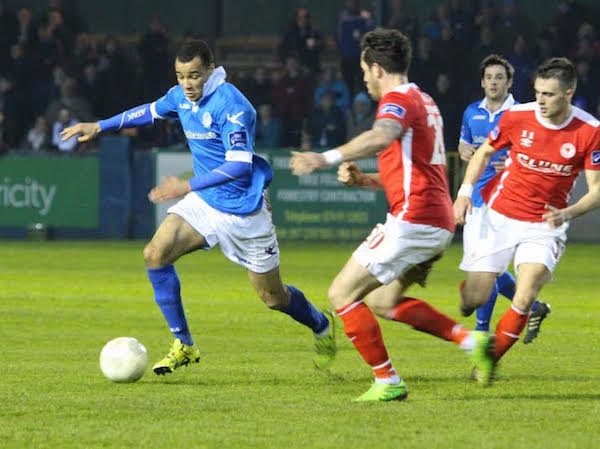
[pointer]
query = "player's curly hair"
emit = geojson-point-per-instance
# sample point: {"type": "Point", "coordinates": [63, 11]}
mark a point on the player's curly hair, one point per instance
{"type": "Point", "coordinates": [389, 48]}
{"type": "Point", "coordinates": [497, 60]}
{"type": "Point", "coordinates": [561, 69]}
{"type": "Point", "coordinates": [190, 48]}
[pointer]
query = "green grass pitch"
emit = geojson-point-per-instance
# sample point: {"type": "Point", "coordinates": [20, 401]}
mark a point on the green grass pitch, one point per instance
{"type": "Point", "coordinates": [255, 386]}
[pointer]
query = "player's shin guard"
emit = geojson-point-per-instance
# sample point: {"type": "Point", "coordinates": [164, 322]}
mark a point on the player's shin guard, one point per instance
{"type": "Point", "coordinates": [508, 330]}
{"type": "Point", "coordinates": [301, 310]}
{"type": "Point", "coordinates": [364, 332]}
{"type": "Point", "coordinates": [167, 293]}
{"type": "Point", "coordinates": [425, 318]}
{"type": "Point", "coordinates": [484, 312]}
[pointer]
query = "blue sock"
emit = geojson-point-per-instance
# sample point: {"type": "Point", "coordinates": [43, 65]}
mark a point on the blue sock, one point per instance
{"type": "Point", "coordinates": [304, 312]}
{"type": "Point", "coordinates": [167, 293]}
{"type": "Point", "coordinates": [484, 313]}
{"type": "Point", "coordinates": [506, 285]}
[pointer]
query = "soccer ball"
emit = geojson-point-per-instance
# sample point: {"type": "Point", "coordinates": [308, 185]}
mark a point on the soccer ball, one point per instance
{"type": "Point", "coordinates": [123, 359]}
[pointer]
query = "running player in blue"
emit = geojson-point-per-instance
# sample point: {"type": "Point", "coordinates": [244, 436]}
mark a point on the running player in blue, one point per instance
{"type": "Point", "coordinates": [224, 203]}
{"type": "Point", "coordinates": [479, 119]}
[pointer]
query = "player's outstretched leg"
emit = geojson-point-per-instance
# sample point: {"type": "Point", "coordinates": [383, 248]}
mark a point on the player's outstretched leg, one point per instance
{"type": "Point", "coordinates": [539, 310]}
{"type": "Point", "coordinates": [425, 318]}
{"type": "Point", "coordinates": [167, 293]}
{"type": "Point", "coordinates": [364, 332]}
{"type": "Point", "coordinates": [484, 312]}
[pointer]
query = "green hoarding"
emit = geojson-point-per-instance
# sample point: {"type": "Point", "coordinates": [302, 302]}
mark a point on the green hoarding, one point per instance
{"type": "Point", "coordinates": [57, 191]}
{"type": "Point", "coordinates": [318, 207]}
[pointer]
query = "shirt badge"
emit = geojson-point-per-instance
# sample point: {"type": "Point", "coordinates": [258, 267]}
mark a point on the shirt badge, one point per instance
{"type": "Point", "coordinates": [206, 119]}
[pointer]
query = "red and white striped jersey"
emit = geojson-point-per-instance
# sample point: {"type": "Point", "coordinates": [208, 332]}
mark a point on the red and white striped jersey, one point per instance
{"type": "Point", "coordinates": [545, 160]}
{"type": "Point", "coordinates": [413, 167]}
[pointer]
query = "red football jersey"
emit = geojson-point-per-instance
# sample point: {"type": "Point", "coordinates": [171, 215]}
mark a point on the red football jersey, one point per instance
{"type": "Point", "coordinates": [413, 168]}
{"type": "Point", "coordinates": [545, 160]}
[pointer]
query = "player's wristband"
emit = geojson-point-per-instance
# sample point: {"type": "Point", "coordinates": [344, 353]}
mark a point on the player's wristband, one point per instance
{"type": "Point", "coordinates": [333, 157]}
{"type": "Point", "coordinates": [465, 190]}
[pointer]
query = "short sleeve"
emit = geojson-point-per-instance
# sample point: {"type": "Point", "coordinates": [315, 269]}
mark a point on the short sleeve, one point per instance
{"type": "Point", "coordinates": [396, 106]}
{"type": "Point", "coordinates": [465, 129]}
{"type": "Point", "coordinates": [592, 158]}
{"type": "Point", "coordinates": [499, 137]}
{"type": "Point", "coordinates": [165, 106]}
{"type": "Point", "coordinates": [237, 130]}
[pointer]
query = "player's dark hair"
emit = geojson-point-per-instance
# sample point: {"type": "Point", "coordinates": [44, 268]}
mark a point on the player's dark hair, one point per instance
{"type": "Point", "coordinates": [497, 60]}
{"type": "Point", "coordinates": [190, 48]}
{"type": "Point", "coordinates": [389, 48]}
{"type": "Point", "coordinates": [561, 69]}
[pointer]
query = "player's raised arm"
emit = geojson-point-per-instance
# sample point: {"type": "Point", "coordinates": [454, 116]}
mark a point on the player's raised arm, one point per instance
{"type": "Point", "coordinates": [366, 144]}
{"type": "Point", "coordinates": [476, 166]}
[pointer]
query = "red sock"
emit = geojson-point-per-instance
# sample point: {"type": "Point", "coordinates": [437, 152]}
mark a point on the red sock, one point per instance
{"type": "Point", "coordinates": [425, 318]}
{"type": "Point", "coordinates": [364, 332]}
{"type": "Point", "coordinates": [508, 329]}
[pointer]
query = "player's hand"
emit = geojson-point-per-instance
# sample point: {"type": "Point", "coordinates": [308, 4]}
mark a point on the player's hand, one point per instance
{"type": "Point", "coordinates": [87, 131]}
{"type": "Point", "coordinates": [462, 206]}
{"type": "Point", "coordinates": [350, 175]}
{"type": "Point", "coordinates": [304, 163]}
{"type": "Point", "coordinates": [556, 217]}
{"type": "Point", "coordinates": [466, 152]}
{"type": "Point", "coordinates": [500, 164]}
{"type": "Point", "coordinates": [171, 188]}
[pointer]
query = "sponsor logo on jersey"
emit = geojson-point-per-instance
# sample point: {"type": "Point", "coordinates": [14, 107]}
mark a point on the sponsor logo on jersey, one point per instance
{"type": "Point", "coordinates": [393, 109]}
{"type": "Point", "coordinates": [567, 150]}
{"type": "Point", "coordinates": [193, 135]}
{"type": "Point", "coordinates": [544, 166]}
{"type": "Point", "coordinates": [527, 138]}
{"type": "Point", "coordinates": [234, 118]}
{"type": "Point", "coordinates": [184, 106]}
{"type": "Point", "coordinates": [206, 119]}
{"type": "Point", "coordinates": [237, 139]}
{"type": "Point", "coordinates": [479, 117]}
{"type": "Point", "coordinates": [595, 157]}
{"type": "Point", "coordinates": [136, 114]}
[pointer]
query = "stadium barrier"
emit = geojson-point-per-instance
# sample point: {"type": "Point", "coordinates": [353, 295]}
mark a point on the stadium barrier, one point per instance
{"type": "Point", "coordinates": [104, 195]}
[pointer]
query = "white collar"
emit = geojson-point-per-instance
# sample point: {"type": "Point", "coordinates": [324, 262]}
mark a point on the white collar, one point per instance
{"type": "Point", "coordinates": [216, 78]}
{"type": "Point", "coordinates": [546, 124]}
{"type": "Point", "coordinates": [508, 103]}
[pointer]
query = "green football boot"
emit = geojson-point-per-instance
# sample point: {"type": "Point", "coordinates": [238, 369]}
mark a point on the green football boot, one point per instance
{"type": "Point", "coordinates": [482, 357]}
{"type": "Point", "coordinates": [384, 392]}
{"type": "Point", "coordinates": [179, 355]}
{"type": "Point", "coordinates": [325, 346]}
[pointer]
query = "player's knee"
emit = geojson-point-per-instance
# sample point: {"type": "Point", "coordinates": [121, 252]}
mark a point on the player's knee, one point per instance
{"type": "Point", "coordinates": [153, 256]}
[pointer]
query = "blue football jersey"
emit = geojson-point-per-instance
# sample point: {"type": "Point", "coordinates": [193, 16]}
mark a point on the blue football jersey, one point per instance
{"type": "Point", "coordinates": [477, 123]}
{"type": "Point", "coordinates": [220, 127]}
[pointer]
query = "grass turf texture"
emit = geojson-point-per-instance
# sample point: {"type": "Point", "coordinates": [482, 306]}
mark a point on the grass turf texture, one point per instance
{"type": "Point", "coordinates": [255, 386]}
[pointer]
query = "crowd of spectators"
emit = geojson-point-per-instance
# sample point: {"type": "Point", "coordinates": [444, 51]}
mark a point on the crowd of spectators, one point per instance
{"type": "Point", "coordinates": [54, 73]}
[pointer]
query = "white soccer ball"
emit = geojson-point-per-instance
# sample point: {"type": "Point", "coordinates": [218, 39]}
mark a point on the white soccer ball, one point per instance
{"type": "Point", "coordinates": [123, 359]}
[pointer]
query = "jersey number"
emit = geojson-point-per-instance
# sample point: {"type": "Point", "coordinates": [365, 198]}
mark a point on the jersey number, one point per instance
{"type": "Point", "coordinates": [439, 152]}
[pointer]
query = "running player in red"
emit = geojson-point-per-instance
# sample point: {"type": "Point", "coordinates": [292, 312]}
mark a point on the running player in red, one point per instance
{"type": "Point", "coordinates": [408, 138]}
{"type": "Point", "coordinates": [551, 142]}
